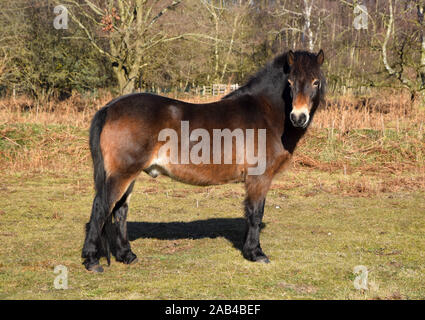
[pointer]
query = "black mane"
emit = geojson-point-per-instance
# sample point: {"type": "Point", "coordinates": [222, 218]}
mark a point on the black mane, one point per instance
{"type": "Point", "coordinates": [272, 77]}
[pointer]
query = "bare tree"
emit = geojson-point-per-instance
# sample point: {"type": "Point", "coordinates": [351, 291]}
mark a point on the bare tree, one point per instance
{"type": "Point", "coordinates": [404, 61]}
{"type": "Point", "coordinates": [124, 32]}
{"type": "Point", "coordinates": [303, 18]}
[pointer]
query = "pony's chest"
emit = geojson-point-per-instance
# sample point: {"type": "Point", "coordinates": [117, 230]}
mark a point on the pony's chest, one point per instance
{"type": "Point", "coordinates": [281, 161]}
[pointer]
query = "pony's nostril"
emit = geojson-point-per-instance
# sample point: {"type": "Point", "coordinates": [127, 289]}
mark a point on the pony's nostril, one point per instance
{"type": "Point", "coordinates": [302, 119]}
{"type": "Point", "coordinates": [293, 118]}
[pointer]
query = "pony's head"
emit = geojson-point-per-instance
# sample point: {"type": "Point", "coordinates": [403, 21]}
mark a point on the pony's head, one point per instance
{"type": "Point", "coordinates": [306, 83]}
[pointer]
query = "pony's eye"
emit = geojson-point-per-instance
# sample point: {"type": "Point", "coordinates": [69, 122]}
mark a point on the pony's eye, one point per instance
{"type": "Point", "coordinates": [316, 83]}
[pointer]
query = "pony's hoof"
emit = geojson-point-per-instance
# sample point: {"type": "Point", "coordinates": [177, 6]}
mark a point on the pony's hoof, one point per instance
{"type": "Point", "coordinates": [262, 259]}
{"type": "Point", "coordinates": [129, 258]}
{"type": "Point", "coordinates": [97, 268]}
{"type": "Point", "coordinates": [256, 256]}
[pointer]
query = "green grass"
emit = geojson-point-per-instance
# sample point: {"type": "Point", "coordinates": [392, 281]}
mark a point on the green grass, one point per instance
{"type": "Point", "coordinates": [319, 224]}
{"type": "Point", "coordinates": [190, 252]}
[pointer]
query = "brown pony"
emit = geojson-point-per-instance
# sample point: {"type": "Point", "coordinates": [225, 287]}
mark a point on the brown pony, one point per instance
{"type": "Point", "coordinates": [127, 137]}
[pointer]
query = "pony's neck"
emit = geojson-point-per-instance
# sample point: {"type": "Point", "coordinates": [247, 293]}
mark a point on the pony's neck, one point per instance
{"type": "Point", "coordinates": [291, 136]}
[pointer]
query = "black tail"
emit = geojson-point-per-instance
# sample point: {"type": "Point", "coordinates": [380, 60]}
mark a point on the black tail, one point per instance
{"type": "Point", "coordinates": [100, 219]}
{"type": "Point", "coordinates": [95, 130]}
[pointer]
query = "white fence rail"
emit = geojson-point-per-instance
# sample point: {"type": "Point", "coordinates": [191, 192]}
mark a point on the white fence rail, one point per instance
{"type": "Point", "coordinates": [215, 89]}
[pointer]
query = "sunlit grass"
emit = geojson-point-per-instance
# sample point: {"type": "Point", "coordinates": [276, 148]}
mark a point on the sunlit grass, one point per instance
{"type": "Point", "coordinates": [188, 246]}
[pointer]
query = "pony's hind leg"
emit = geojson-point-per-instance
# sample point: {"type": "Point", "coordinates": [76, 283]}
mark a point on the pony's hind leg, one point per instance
{"type": "Point", "coordinates": [123, 251]}
{"type": "Point", "coordinates": [99, 231]}
{"type": "Point", "coordinates": [94, 246]}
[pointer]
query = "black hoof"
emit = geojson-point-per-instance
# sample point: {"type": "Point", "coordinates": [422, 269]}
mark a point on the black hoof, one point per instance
{"type": "Point", "coordinates": [129, 258]}
{"type": "Point", "coordinates": [92, 264]}
{"type": "Point", "coordinates": [262, 259]}
{"type": "Point", "coordinates": [95, 268]}
{"type": "Point", "coordinates": [256, 256]}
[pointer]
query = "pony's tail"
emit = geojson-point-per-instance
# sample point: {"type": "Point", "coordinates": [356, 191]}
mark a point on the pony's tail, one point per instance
{"type": "Point", "coordinates": [100, 181]}
{"type": "Point", "coordinates": [98, 168]}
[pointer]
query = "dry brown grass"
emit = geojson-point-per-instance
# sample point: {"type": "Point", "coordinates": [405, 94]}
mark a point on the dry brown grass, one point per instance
{"type": "Point", "coordinates": [390, 111]}
{"type": "Point", "coordinates": [341, 113]}
{"type": "Point", "coordinates": [348, 135]}
{"type": "Point", "coordinates": [76, 111]}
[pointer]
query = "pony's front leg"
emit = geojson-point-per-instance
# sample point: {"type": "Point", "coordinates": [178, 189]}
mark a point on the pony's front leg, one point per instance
{"type": "Point", "coordinates": [254, 211]}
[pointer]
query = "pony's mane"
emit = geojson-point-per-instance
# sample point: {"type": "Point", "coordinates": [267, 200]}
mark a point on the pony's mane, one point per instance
{"type": "Point", "coordinates": [271, 71]}
{"type": "Point", "coordinates": [275, 71]}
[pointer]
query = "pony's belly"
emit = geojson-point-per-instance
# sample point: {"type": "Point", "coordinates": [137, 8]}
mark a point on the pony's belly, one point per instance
{"type": "Point", "coordinates": [204, 174]}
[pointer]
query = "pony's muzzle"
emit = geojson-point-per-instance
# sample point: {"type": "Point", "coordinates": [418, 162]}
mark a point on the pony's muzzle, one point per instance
{"type": "Point", "coordinates": [299, 118]}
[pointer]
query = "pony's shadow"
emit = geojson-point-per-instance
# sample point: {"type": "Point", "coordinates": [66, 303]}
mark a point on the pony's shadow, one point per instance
{"type": "Point", "coordinates": [232, 229]}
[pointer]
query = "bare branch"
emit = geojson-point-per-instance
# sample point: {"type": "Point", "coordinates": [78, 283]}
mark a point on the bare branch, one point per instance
{"type": "Point", "coordinates": [390, 70]}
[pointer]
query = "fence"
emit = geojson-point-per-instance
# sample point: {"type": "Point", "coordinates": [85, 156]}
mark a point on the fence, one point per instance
{"type": "Point", "coordinates": [216, 89]}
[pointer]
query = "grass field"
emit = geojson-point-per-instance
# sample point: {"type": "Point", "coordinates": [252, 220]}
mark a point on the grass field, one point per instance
{"type": "Point", "coordinates": [354, 195]}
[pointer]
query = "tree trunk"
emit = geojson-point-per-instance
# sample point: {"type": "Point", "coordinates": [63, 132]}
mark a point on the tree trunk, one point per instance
{"type": "Point", "coordinates": [125, 84]}
{"type": "Point", "coordinates": [421, 13]}
{"type": "Point", "coordinates": [307, 24]}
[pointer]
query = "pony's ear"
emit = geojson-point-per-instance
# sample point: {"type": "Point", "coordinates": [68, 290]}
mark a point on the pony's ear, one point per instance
{"type": "Point", "coordinates": [291, 57]}
{"type": "Point", "coordinates": [320, 57]}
